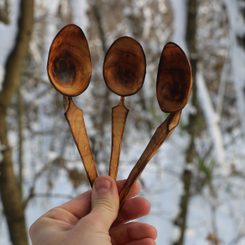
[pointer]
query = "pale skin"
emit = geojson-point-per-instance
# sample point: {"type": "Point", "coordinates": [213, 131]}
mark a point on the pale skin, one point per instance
{"type": "Point", "coordinates": [93, 218]}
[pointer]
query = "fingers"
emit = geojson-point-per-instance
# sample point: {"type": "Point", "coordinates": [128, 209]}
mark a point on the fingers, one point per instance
{"type": "Point", "coordinates": [61, 215]}
{"type": "Point", "coordinates": [146, 241]}
{"type": "Point", "coordinates": [134, 190]}
{"type": "Point", "coordinates": [105, 203]}
{"type": "Point", "coordinates": [133, 233]}
{"type": "Point", "coordinates": [78, 206]}
{"type": "Point", "coordinates": [81, 205]}
{"type": "Point", "coordinates": [133, 208]}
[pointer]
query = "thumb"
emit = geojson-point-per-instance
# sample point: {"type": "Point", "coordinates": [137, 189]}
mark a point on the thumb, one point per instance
{"type": "Point", "coordinates": [105, 202]}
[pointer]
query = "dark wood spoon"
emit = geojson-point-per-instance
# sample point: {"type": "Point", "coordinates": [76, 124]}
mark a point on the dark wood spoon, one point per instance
{"type": "Point", "coordinates": [124, 73]}
{"type": "Point", "coordinates": [69, 69]}
{"type": "Point", "coordinates": [174, 83]}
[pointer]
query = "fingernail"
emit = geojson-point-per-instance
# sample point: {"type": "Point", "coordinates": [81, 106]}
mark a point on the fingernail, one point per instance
{"type": "Point", "coordinates": [102, 185]}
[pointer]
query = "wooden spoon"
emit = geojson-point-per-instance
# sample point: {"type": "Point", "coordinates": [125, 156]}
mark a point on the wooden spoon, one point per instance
{"type": "Point", "coordinates": [174, 85]}
{"type": "Point", "coordinates": [124, 73]}
{"type": "Point", "coordinates": [69, 69]}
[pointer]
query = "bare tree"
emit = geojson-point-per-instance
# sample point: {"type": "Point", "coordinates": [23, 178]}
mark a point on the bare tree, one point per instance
{"type": "Point", "coordinates": [191, 36]}
{"type": "Point", "coordinates": [4, 11]}
{"type": "Point", "coordinates": [10, 191]}
{"type": "Point", "coordinates": [235, 10]}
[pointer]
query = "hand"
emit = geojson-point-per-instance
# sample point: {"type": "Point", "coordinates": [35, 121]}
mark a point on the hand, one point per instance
{"type": "Point", "coordinates": [93, 218]}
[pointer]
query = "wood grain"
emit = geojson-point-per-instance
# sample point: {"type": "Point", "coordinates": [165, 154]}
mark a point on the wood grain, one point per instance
{"type": "Point", "coordinates": [119, 116]}
{"type": "Point", "coordinates": [124, 66]}
{"type": "Point", "coordinates": [174, 80]}
{"type": "Point", "coordinates": [174, 83]}
{"type": "Point", "coordinates": [124, 72]}
{"type": "Point", "coordinates": [69, 62]}
{"type": "Point", "coordinates": [75, 119]}
{"type": "Point", "coordinates": [160, 135]}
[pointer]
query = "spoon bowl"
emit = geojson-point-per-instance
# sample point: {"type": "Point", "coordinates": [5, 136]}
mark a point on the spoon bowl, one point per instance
{"type": "Point", "coordinates": [124, 67]}
{"type": "Point", "coordinates": [69, 62]}
{"type": "Point", "coordinates": [174, 81]}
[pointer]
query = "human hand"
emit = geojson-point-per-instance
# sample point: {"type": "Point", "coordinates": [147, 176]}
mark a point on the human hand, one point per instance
{"type": "Point", "coordinates": [93, 218]}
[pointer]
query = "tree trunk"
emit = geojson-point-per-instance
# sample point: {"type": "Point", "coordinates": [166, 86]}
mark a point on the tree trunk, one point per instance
{"type": "Point", "coordinates": [9, 189]}
{"type": "Point", "coordinates": [4, 12]}
{"type": "Point", "coordinates": [236, 16]}
{"type": "Point", "coordinates": [20, 115]}
{"type": "Point", "coordinates": [191, 28]}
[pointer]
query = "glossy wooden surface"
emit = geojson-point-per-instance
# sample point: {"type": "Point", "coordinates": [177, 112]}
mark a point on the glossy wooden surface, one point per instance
{"type": "Point", "coordinates": [125, 66]}
{"type": "Point", "coordinates": [160, 135]}
{"type": "Point", "coordinates": [75, 119]}
{"type": "Point", "coordinates": [119, 116]}
{"type": "Point", "coordinates": [124, 72]}
{"type": "Point", "coordinates": [69, 62]}
{"type": "Point", "coordinates": [69, 69]}
{"type": "Point", "coordinates": [174, 84]}
{"type": "Point", "coordinates": [173, 79]}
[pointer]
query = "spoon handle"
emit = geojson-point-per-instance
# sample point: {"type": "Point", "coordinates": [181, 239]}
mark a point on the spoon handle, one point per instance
{"type": "Point", "coordinates": [119, 116]}
{"type": "Point", "coordinates": [75, 119]}
{"type": "Point", "coordinates": [162, 132]}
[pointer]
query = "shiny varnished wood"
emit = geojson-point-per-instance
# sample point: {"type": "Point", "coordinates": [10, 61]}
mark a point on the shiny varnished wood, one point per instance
{"type": "Point", "coordinates": [69, 69]}
{"type": "Point", "coordinates": [69, 62]}
{"type": "Point", "coordinates": [124, 72]}
{"type": "Point", "coordinates": [173, 79]}
{"type": "Point", "coordinates": [174, 83]}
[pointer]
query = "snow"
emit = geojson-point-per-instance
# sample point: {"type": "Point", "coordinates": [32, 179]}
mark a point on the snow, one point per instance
{"type": "Point", "coordinates": [212, 119]}
{"type": "Point", "coordinates": [179, 9]}
{"type": "Point", "coordinates": [237, 26]}
{"type": "Point", "coordinates": [80, 7]}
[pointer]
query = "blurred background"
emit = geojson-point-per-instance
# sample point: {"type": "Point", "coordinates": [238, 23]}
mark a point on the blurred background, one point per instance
{"type": "Point", "coordinates": [195, 182]}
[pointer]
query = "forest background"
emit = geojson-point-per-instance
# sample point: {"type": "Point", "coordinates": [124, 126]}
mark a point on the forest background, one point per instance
{"type": "Point", "coordinates": [195, 182]}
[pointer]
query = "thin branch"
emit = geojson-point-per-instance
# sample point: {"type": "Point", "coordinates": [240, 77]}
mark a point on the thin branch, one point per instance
{"type": "Point", "coordinates": [36, 177]}
{"type": "Point", "coordinates": [16, 59]}
{"type": "Point", "coordinates": [212, 119]}
{"type": "Point", "coordinates": [4, 12]}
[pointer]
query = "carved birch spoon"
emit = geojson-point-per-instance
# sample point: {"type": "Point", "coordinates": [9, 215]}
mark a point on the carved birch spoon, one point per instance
{"type": "Point", "coordinates": [124, 73]}
{"type": "Point", "coordinates": [174, 85]}
{"type": "Point", "coordinates": [69, 69]}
